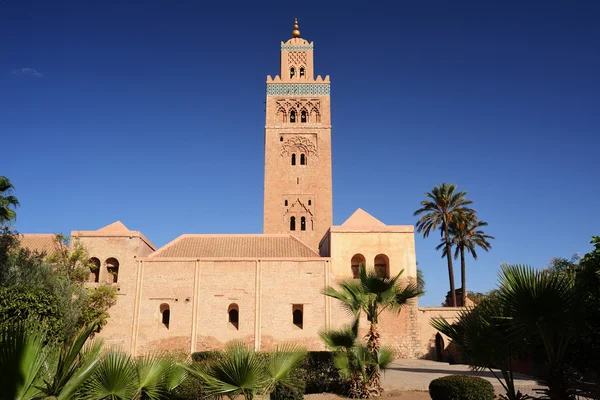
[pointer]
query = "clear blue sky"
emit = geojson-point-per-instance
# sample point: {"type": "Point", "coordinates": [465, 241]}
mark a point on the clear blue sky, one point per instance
{"type": "Point", "coordinates": [151, 112]}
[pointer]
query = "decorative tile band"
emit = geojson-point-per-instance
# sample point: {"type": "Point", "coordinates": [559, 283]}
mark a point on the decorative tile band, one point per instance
{"type": "Point", "coordinates": [296, 48]}
{"type": "Point", "coordinates": [277, 89]}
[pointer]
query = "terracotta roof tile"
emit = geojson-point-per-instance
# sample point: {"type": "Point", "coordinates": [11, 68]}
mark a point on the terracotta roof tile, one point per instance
{"type": "Point", "coordinates": [40, 242]}
{"type": "Point", "coordinates": [236, 246]}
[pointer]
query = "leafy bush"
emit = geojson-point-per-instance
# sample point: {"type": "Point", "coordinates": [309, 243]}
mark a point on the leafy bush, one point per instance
{"type": "Point", "coordinates": [287, 393]}
{"type": "Point", "coordinates": [321, 375]}
{"type": "Point", "coordinates": [18, 303]}
{"type": "Point", "coordinates": [461, 387]}
{"type": "Point", "coordinates": [211, 355]}
{"type": "Point", "coordinates": [190, 389]}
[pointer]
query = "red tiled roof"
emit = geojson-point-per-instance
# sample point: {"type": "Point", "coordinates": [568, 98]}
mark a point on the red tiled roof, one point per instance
{"type": "Point", "coordinates": [40, 242]}
{"type": "Point", "coordinates": [236, 246]}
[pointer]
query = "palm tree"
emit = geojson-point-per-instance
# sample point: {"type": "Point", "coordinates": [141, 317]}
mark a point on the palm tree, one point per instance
{"type": "Point", "coordinates": [466, 235]}
{"type": "Point", "coordinates": [531, 310]}
{"type": "Point", "coordinates": [354, 360]}
{"type": "Point", "coordinates": [373, 294]}
{"type": "Point", "coordinates": [8, 202]}
{"type": "Point", "coordinates": [121, 377]}
{"type": "Point", "coordinates": [243, 372]}
{"type": "Point", "coordinates": [443, 207]}
{"type": "Point", "coordinates": [30, 369]}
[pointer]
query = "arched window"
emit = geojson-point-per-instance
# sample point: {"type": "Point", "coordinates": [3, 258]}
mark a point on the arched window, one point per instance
{"type": "Point", "coordinates": [281, 138]}
{"type": "Point", "coordinates": [303, 223]}
{"type": "Point", "coordinates": [302, 159]}
{"type": "Point", "coordinates": [382, 266]}
{"type": "Point", "coordinates": [165, 314]}
{"type": "Point", "coordinates": [309, 203]}
{"type": "Point", "coordinates": [94, 270]}
{"type": "Point", "coordinates": [298, 315]}
{"type": "Point", "coordinates": [357, 259]}
{"type": "Point", "coordinates": [294, 159]}
{"type": "Point", "coordinates": [293, 224]}
{"type": "Point", "coordinates": [301, 72]}
{"type": "Point", "coordinates": [314, 116]}
{"type": "Point", "coordinates": [281, 115]}
{"type": "Point", "coordinates": [286, 203]}
{"type": "Point", "coordinates": [292, 72]}
{"type": "Point", "coordinates": [303, 116]}
{"type": "Point", "coordinates": [293, 116]}
{"type": "Point", "coordinates": [234, 316]}
{"type": "Point", "coordinates": [112, 267]}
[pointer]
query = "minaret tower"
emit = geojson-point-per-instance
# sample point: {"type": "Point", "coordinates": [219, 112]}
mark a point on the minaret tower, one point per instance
{"type": "Point", "coordinates": [298, 188]}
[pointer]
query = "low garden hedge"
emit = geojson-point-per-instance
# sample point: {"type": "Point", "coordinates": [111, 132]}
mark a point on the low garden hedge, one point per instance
{"type": "Point", "coordinates": [461, 387]}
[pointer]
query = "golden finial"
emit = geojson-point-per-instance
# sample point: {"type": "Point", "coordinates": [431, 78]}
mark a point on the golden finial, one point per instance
{"type": "Point", "coordinates": [295, 32]}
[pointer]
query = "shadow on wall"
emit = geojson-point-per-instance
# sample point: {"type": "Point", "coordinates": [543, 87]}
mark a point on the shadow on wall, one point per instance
{"type": "Point", "coordinates": [439, 350]}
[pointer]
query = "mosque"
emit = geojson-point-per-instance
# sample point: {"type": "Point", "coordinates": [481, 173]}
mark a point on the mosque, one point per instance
{"type": "Point", "coordinates": [201, 290]}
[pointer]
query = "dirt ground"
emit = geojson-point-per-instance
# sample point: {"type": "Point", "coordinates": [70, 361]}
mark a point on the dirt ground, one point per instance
{"type": "Point", "coordinates": [387, 395]}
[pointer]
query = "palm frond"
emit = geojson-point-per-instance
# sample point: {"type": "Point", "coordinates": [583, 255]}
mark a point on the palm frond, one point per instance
{"type": "Point", "coordinates": [115, 378]}
{"type": "Point", "coordinates": [22, 355]}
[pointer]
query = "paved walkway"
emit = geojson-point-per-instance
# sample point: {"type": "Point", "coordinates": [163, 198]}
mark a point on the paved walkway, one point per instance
{"type": "Point", "coordinates": [417, 374]}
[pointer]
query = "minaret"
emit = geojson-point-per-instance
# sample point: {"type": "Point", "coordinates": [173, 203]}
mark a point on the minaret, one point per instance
{"type": "Point", "coordinates": [298, 197]}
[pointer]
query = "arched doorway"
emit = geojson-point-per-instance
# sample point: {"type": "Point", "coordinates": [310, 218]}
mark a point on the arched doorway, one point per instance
{"type": "Point", "coordinates": [439, 347]}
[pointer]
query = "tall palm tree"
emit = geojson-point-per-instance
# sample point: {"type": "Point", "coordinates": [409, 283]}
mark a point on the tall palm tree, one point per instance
{"type": "Point", "coordinates": [8, 202]}
{"type": "Point", "coordinates": [373, 294]}
{"type": "Point", "coordinates": [442, 207]}
{"type": "Point", "coordinates": [466, 235]}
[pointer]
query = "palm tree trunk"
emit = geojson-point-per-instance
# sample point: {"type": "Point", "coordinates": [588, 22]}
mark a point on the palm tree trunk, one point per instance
{"type": "Point", "coordinates": [450, 267]}
{"type": "Point", "coordinates": [373, 345]}
{"type": "Point", "coordinates": [463, 276]}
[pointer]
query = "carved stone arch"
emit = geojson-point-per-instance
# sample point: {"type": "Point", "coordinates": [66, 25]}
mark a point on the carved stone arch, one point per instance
{"type": "Point", "coordinates": [304, 118]}
{"type": "Point", "coordinates": [282, 115]}
{"type": "Point", "coordinates": [298, 144]}
{"type": "Point", "coordinates": [315, 116]}
{"type": "Point", "coordinates": [298, 208]}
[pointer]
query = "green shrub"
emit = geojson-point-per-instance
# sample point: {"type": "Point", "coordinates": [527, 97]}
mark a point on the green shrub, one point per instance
{"type": "Point", "coordinates": [461, 387]}
{"type": "Point", "coordinates": [321, 375]}
{"type": "Point", "coordinates": [212, 355]}
{"type": "Point", "coordinates": [190, 389]}
{"type": "Point", "coordinates": [285, 393]}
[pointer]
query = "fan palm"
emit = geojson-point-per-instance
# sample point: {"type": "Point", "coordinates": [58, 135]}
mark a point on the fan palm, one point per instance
{"type": "Point", "coordinates": [120, 377]}
{"type": "Point", "coordinates": [373, 294]}
{"type": "Point", "coordinates": [243, 372]}
{"type": "Point", "coordinates": [8, 202]}
{"type": "Point", "coordinates": [354, 360]}
{"type": "Point", "coordinates": [531, 309]}
{"type": "Point", "coordinates": [466, 235]}
{"type": "Point", "coordinates": [442, 207]}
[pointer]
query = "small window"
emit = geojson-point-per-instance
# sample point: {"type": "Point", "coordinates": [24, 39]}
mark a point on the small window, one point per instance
{"type": "Point", "coordinates": [286, 203]}
{"type": "Point", "coordinates": [293, 224]}
{"type": "Point", "coordinates": [294, 159]}
{"type": "Point", "coordinates": [94, 270]}
{"type": "Point", "coordinates": [165, 312]}
{"type": "Point", "coordinates": [302, 159]}
{"type": "Point", "coordinates": [297, 181]}
{"type": "Point", "coordinates": [292, 116]}
{"type": "Point", "coordinates": [292, 72]}
{"type": "Point", "coordinates": [298, 315]}
{"type": "Point", "coordinates": [281, 138]}
{"type": "Point", "coordinates": [112, 267]}
{"type": "Point", "coordinates": [301, 72]}
{"type": "Point", "coordinates": [309, 203]}
{"type": "Point", "coordinates": [234, 316]}
{"type": "Point", "coordinates": [303, 117]}
{"type": "Point", "coordinates": [303, 223]}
